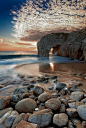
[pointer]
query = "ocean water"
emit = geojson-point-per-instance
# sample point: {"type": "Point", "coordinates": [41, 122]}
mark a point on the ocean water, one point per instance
{"type": "Point", "coordinates": [9, 60]}
{"type": "Point", "coordinates": [13, 57]}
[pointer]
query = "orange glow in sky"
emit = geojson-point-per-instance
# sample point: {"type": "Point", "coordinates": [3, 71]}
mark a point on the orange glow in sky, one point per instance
{"type": "Point", "coordinates": [36, 18]}
{"type": "Point", "coordinates": [7, 44]}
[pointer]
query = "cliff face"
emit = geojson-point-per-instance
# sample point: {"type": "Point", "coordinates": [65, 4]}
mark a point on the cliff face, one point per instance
{"type": "Point", "coordinates": [64, 44]}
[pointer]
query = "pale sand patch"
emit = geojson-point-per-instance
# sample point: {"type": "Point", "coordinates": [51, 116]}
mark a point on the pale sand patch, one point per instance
{"type": "Point", "coordinates": [28, 69]}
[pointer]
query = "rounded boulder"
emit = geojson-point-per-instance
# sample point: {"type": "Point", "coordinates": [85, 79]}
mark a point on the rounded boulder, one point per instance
{"type": "Point", "coordinates": [26, 105]}
{"type": "Point", "coordinates": [77, 96]}
{"type": "Point", "coordinates": [82, 111]}
{"type": "Point", "coordinates": [71, 112]}
{"type": "Point", "coordinates": [60, 86]}
{"type": "Point", "coordinates": [42, 118]}
{"type": "Point", "coordinates": [44, 97]}
{"type": "Point", "coordinates": [37, 90]}
{"type": "Point", "coordinates": [60, 119]}
{"type": "Point", "coordinates": [53, 104]}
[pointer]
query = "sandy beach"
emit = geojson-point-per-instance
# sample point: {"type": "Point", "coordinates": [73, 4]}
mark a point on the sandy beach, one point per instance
{"type": "Point", "coordinates": [35, 75]}
{"type": "Point", "coordinates": [66, 72]}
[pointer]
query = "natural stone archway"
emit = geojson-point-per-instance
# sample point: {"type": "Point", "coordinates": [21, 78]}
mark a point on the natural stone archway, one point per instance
{"type": "Point", "coordinates": [50, 41]}
{"type": "Point", "coordinates": [64, 44]}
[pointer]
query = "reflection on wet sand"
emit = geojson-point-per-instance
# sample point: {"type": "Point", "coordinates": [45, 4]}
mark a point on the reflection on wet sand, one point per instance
{"type": "Point", "coordinates": [67, 72]}
{"type": "Point", "coordinates": [52, 66]}
{"type": "Point", "coordinates": [67, 68]}
{"type": "Point", "coordinates": [46, 68]}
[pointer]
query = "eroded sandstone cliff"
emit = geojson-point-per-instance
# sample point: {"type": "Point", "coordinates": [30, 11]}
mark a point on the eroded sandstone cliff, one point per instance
{"type": "Point", "coordinates": [64, 44]}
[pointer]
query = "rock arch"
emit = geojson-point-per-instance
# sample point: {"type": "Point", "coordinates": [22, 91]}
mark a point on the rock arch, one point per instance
{"type": "Point", "coordinates": [64, 44]}
{"type": "Point", "coordinates": [54, 40]}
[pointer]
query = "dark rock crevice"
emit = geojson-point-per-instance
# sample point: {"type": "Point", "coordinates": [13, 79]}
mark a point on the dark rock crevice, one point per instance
{"type": "Point", "coordinates": [55, 49]}
{"type": "Point", "coordinates": [80, 54]}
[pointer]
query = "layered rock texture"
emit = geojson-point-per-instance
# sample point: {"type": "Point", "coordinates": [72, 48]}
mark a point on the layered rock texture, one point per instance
{"type": "Point", "coordinates": [64, 44]}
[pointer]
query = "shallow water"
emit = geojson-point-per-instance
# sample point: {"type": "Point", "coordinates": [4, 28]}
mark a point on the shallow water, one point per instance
{"type": "Point", "coordinates": [10, 60]}
{"type": "Point", "coordinates": [14, 58]}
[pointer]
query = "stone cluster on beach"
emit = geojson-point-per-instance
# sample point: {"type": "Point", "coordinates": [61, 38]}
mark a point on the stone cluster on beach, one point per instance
{"type": "Point", "coordinates": [71, 45]}
{"type": "Point", "coordinates": [33, 106]}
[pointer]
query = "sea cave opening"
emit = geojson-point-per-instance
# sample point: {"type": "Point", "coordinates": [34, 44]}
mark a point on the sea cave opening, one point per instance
{"type": "Point", "coordinates": [51, 51]}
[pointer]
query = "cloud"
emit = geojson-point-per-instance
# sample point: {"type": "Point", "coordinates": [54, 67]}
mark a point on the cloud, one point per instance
{"type": "Point", "coordinates": [37, 18]}
{"type": "Point", "coordinates": [1, 40]}
{"type": "Point", "coordinates": [22, 44]}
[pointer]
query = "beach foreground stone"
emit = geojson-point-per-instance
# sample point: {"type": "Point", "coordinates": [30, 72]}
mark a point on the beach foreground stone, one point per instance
{"type": "Point", "coordinates": [20, 117]}
{"type": "Point", "coordinates": [4, 101]}
{"type": "Point", "coordinates": [7, 119]}
{"type": "Point", "coordinates": [25, 124]}
{"type": "Point", "coordinates": [2, 86]}
{"type": "Point", "coordinates": [71, 112]}
{"type": "Point", "coordinates": [2, 112]}
{"type": "Point", "coordinates": [20, 90]}
{"type": "Point", "coordinates": [60, 86]}
{"type": "Point", "coordinates": [62, 108]}
{"type": "Point", "coordinates": [82, 111]}
{"type": "Point", "coordinates": [37, 90]}
{"type": "Point", "coordinates": [84, 100]}
{"type": "Point", "coordinates": [75, 104]}
{"type": "Point", "coordinates": [49, 108]}
{"type": "Point", "coordinates": [42, 118]}
{"type": "Point", "coordinates": [60, 119]}
{"type": "Point", "coordinates": [44, 96]}
{"type": "Point", "coordinates": [84, 124]}
{"type": "Point", "coordinates": [77, 96]}
{"type": "Point", "coordinates": [53, 103]}
{"type": "Point", "coordinates": [26, 105]}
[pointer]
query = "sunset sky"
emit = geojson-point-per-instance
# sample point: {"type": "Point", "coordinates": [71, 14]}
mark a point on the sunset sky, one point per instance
{"type": "Point", "coordinates": [24, 22]}
{"type": "Point", "coordinates": [7, 41]}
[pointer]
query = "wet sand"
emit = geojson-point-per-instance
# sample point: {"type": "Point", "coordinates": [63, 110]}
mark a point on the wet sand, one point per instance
{"type": "Point", "coordinates": [67, 72]}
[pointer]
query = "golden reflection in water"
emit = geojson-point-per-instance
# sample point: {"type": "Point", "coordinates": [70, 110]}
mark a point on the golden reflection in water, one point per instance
{"type": "Point", "coordinates": [52, 66]}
